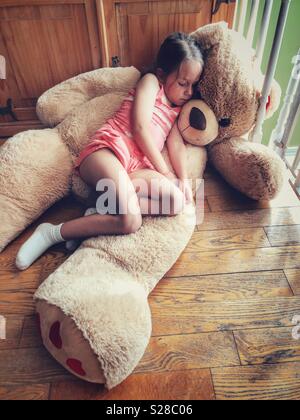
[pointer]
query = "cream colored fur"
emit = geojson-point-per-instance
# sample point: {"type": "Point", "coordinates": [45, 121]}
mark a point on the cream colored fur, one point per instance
{"type": "Point", "coordinates": [99, 295]}
{"type": "Point", "coordinates": [103, 286]}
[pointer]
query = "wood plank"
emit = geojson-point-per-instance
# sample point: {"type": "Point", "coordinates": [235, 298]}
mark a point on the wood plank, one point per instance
{"type": "Point", "coordinates": [225, 13]}
{"type": "Point", "coordinates": [40, 2]}
{"type": "Point", "coordinates": [235, 261]}
{"type": "Point", "coordinates": [188, 318]}
{"type": "Point", "coordinates": [293, 277]}
{"type": "Point", "coordinates": [206, 206]}
{"type": "Point", "coordinates": [25, 114]}
{"type": "Point", "coordinates": [230, 200]}
{"type": "Point", "coordinates": [7, 261]}
{"type": "Point", "coordinates": [29, 366]}
{"type": "Point", "coordinates": [105, 61]}
{"type": "Point", "coordinates": [189, 351]}
{"type": "Point", "coordinates": [216, 185]}
{"type": "Point", "coordinates": [10, 129]}
{"type": "Point", "coordinates": [14, 326]}
{"type": "Point", "coordinates": [14, 280]}
{"type": "Point", "coordinates": [283, 235]}
{"type": "Point", "coordinates": [31, 336]}
{"type": "Point", "coordinates": [30, 392]}
{"type": "Point", "coordinates": [265, 346]}
{"type": "Point", "coordinates": [267, 382]}
{"type": "Point", "coordinates": [181, 385]}
{"type": "Point", "coordinates": [250, 219]}
{"type": "Point", "coordinates": [227, 239]}
{"type": "Point", "coordinates": [52, 260]}
{"type": "Point", "coordinates": [220, 288]}
{"type": "Point", "coordinates": [17, 302]}
{"type": "Point", "coordinates": [91, 20]}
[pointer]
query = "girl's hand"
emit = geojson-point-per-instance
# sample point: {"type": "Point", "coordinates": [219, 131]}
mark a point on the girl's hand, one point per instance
{"type": "Point", "coordinates": [183, 185]}
{"type": "Point", "coordinates": [171, 177]}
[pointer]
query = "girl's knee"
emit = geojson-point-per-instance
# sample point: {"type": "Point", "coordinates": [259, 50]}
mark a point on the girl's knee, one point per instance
{"type": "Point", "coordinates": [130, 223]}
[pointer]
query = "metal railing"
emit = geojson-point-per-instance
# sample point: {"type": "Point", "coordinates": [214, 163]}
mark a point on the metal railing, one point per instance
{"type": "Point", "coordinates": [289, 115]}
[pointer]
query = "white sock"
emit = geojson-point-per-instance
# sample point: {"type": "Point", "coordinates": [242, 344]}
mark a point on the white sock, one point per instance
{"type": "Point", "coordinates": [43, 238]}
{"type": "Point", "coordinates": [74, 243]}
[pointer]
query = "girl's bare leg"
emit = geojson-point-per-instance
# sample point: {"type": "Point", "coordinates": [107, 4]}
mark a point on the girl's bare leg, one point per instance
{"type": "Point", "coordinates": [157, 195]}
{"type": "Point", "coordinates": [100, 165]}
{"type": "Point", "coordinates": [103, 164]}
{"type": "Point", "coordinates": [127, 207]}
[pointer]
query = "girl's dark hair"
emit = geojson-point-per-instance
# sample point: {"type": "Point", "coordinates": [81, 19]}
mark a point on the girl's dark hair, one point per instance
{"type": "Point", "coordinates": [176, 48]}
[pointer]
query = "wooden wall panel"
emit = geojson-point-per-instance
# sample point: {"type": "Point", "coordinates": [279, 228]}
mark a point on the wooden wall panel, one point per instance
{"type": "Point", "coordinates": [44, 43]}
{"type": "Point", "coordinates": [142, 25]}
{"type": "Point", "coordinates": [146, 24]}
{"type": "Point", "coordinates": [47, 41]}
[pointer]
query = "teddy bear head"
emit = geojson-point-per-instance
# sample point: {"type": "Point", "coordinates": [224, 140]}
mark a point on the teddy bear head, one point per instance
{"type": "Point", "coordinates": [229, 90]}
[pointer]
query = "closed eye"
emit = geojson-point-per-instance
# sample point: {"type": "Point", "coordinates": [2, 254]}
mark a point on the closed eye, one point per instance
{"type": "Point", "coordinates": [183, 85]}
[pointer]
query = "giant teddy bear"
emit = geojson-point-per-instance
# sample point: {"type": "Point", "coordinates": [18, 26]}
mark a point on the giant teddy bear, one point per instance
{"type": "Point", "coordinates": [93, 310]}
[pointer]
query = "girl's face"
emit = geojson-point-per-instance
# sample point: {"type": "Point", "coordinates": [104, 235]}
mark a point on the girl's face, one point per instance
{"type": "Point", "coordinates": [179, 88]}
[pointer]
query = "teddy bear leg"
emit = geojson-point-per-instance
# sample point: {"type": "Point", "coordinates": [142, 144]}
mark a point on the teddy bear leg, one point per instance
{"type": "Point", "coordinates": [97, 326]}
{"type": "Point", "coordinates": [251, 168]}
{"type": "Point", "coordinates": [64, 340]}
{"type": "Point", "coordinates": [35, 172]}
{"type": "Point", "coordinates": [103, 287]}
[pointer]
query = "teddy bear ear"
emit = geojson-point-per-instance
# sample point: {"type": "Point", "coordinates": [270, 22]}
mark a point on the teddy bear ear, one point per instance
{"type": "Point", "coordinates": [273, 99]}
{"type": "Point", "coordinates": [210, 35]}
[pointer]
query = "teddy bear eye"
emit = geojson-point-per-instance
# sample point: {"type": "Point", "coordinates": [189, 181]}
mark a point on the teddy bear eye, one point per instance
{"type": "Point", "coordinates": [225, 122]}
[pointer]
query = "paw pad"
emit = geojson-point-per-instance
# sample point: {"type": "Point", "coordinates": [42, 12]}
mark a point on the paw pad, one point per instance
{"type": "Point", "coordinates": [54, 335]}
{"type": "Point", "coordinates": [55, 338]}
{"type": "Point", "coordinates": [76, 366]}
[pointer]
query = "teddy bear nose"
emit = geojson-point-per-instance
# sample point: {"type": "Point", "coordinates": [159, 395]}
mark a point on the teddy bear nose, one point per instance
{"type": "Point", "coordinates": [197, 119]}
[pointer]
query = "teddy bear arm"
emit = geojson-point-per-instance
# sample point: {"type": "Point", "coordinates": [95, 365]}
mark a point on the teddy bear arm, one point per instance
{"type": "Point", "coordinates": [251, 168]}
{"type": "Point", "coordinates": [34, 173]}
{"type": "Point", "coordinates": [56, 103]}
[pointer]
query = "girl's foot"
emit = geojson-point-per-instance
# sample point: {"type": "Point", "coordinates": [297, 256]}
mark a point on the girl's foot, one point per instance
{"type": "Point", "coordinates": [43, 238]}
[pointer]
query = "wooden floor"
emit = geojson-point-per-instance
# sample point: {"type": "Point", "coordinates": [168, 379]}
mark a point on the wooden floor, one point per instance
{"type": "Point", "coordinates": [222, 316]}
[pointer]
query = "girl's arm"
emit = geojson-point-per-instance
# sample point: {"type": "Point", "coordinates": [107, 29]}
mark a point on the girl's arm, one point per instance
{"type": "Point", "coordinates": [143, 107]}
{"type": "Point", "coordinates": [178, 158]}
{"type": "Point", "coordinates": [177, 152]}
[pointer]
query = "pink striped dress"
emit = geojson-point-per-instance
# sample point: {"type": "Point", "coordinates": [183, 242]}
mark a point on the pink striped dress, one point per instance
{"type": "Point", "coordinates": [116, 133]}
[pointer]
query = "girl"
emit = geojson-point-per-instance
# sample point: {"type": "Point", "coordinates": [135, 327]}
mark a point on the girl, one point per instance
{"type": "Point", "coordinates": [128, 147]}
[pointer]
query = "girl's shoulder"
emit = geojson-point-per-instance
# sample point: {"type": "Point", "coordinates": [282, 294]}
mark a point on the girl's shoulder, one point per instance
{"type": "Point", "coordinates": [151, 80]}
{"type": "Point", "coordinates": [149, 85]}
